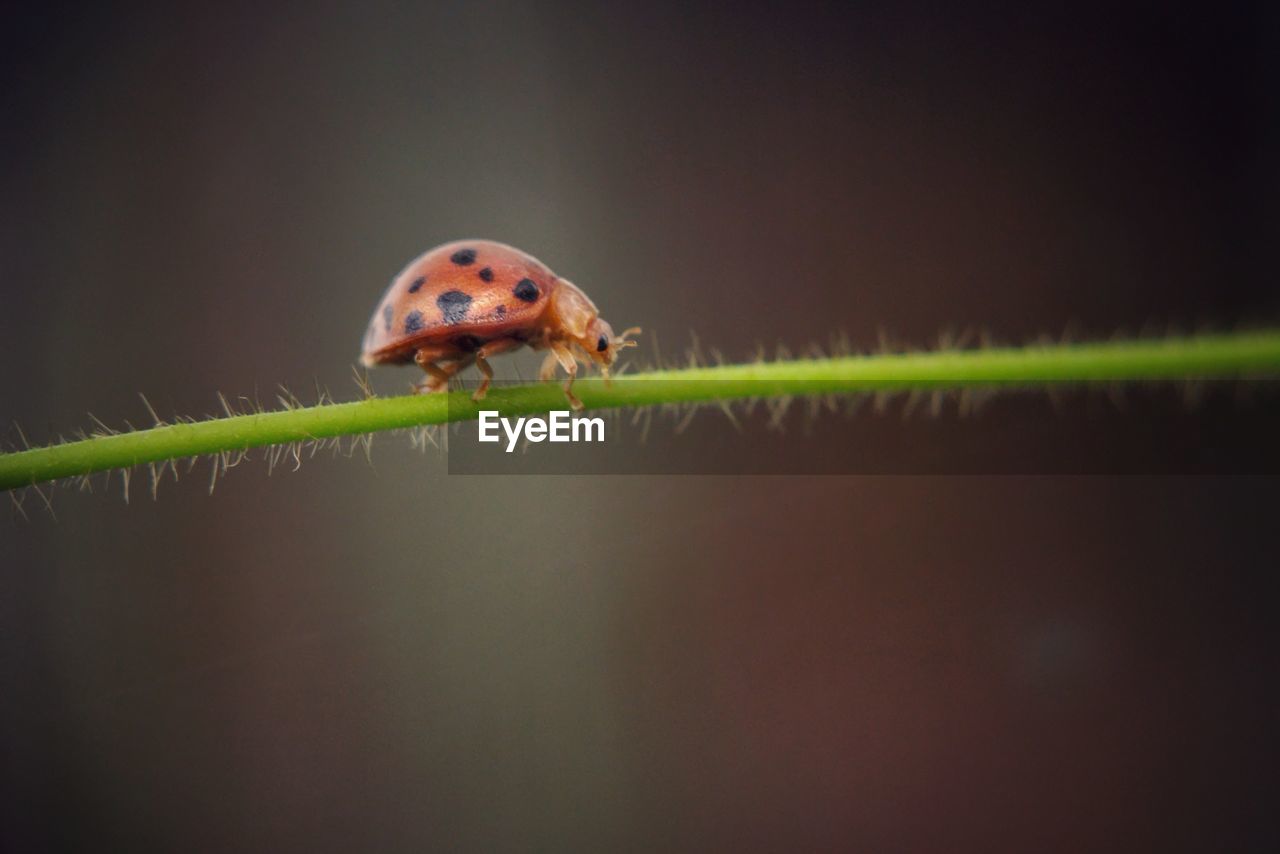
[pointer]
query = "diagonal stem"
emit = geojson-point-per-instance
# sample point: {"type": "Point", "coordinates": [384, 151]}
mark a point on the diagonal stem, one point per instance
{"type": "Point", "coordinates": [1243, 355]}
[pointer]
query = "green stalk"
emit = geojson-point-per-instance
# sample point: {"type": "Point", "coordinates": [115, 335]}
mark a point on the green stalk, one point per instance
{"type": "Point", "coordinates": [1229, 356]}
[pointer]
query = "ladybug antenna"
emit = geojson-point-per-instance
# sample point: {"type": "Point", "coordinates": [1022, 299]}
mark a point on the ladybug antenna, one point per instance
{"type": "Point", "coordinates": [621, 341]}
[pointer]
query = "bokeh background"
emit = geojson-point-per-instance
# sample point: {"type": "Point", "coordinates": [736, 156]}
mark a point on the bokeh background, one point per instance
{"type": "Point", "coordinates": [390, 658]}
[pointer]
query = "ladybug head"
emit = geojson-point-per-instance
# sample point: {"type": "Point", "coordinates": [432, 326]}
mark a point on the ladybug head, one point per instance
{"type": "Point", "coordinates": [574, 317]}
{"type": "Point", "coordinates": [603, 345]}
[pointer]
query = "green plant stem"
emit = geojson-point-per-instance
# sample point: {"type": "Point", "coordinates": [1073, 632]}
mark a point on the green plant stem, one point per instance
{"type": "Point", "coordinates": [1229, 356]}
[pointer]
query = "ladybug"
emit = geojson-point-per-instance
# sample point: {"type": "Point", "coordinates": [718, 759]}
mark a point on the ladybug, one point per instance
{"type": "Point", "coordinates": [466, 301]}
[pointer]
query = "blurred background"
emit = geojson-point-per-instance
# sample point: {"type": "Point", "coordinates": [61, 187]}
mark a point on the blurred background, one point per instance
{"type": "Point", "coordinates": [386, 657]}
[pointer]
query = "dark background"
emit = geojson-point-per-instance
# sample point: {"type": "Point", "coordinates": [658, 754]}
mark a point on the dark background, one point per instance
{"type": "Point", "coordinates": [392, 658]}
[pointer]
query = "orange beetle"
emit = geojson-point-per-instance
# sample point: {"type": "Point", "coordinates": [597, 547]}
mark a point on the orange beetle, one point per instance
{"type": "Point", "coordinates": [471, 299]}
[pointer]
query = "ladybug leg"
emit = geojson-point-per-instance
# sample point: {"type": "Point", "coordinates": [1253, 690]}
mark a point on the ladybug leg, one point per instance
{"type": "Point", "coordinates": [437, 378]}
{"type": "Point", "coordinates": [565, 357]}
{"type": "Point", "coordinates": [487, 370]}
{"type": "Point", "coordinates": [499, 345]}
{"type": "Point", "coordinates": [548, 371]}
{"type": "Point", "coordinates": [438, 375]}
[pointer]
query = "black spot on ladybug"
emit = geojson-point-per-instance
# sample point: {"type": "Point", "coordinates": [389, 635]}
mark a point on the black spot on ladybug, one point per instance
{"type": "Point", "coordinates": [386, 318]}
{"type": "Point", "coordinates": [463, 257]}
{"type": "Point", "coordinates": [486, 274]}
{"type": "Point", "coordinates": [500, 311]}
{"type": "Point", "coordinates": [602, 344]}
{"type": "Point", "coordinates": [454, 305]}
{"type": "Point", "coordinates": [417, 283]}
{"type": "Point", "coordinates": [526, 290]}
{"type": "Point", "coordinates": [412, 322]}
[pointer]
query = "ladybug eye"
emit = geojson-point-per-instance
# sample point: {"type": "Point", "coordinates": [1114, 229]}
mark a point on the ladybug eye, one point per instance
{"type": "Point", "coordinates": [602, 344]}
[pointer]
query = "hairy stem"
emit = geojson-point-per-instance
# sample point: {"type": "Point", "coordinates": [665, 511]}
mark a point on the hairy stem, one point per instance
{"type": "Point", "coordinates": [1229, 356]}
